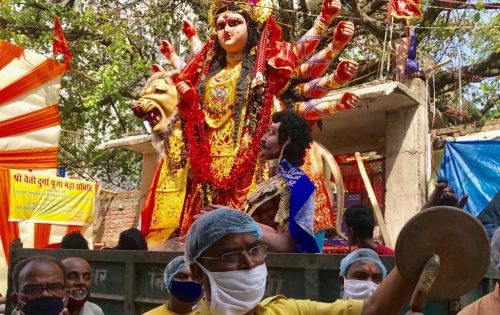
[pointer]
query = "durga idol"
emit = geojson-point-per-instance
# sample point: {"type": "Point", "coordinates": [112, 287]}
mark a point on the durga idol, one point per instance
{"type": "Point", "coordinates": [225, 97]}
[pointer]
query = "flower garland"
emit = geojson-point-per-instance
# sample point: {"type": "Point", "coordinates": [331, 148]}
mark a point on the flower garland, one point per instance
{"type": "Point", "coordinates": [259, 110]}
{"type": "Point", "coordinates": [199, 149]}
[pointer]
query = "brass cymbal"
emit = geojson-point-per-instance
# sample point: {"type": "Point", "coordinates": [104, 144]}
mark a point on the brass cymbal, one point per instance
{"type": "Point", "coordinates": [457, 238]}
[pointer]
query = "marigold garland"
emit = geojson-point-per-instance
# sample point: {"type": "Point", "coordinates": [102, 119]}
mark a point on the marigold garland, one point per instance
{"type": "Point", "coordinates": [199, 149]}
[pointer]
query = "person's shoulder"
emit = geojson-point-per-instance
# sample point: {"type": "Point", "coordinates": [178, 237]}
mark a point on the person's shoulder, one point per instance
{"type": "Point", "coordinates": [160, 310]}
{"type": "Point", "coordinates": [486, 304]}
{"type": "Point", "coordinates": [383, 250]}
{"type": "Point", "coordinates": [282, 305]}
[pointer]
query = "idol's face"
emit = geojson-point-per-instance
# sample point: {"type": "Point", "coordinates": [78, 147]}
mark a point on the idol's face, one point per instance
{"type": "Point", "coordinates": [232, 31]}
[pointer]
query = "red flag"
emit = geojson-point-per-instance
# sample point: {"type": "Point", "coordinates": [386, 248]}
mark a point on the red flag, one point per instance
{"type": "Point", "coordinates": [403, 9]}
{"type": "Point", "coordinates": [60, 44]}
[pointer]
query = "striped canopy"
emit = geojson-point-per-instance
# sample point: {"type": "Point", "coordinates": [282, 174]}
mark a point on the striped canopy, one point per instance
{"type": "Point", "coordinates": [29, 113]}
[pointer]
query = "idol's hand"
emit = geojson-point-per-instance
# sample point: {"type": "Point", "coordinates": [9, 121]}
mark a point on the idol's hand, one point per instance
{"type": "Point", "coordinates": [346, 70]}
{"type": "Point", "coordinates": [347, 101]}
{"type": "Point", "coordinates": [167, 49]}
{"type": "Point", "coordinates": [156, 68]}
{"type": "Point", "coordinates": [329, 10]}
{"type": "Point", "coordinates": [342, 35]}
{"type": "Point", "coordinates": [188, 29]}
{"type": "Point", "coordinates": [186, 92]}
{"type": "Point", "coordinates": [258, 83]}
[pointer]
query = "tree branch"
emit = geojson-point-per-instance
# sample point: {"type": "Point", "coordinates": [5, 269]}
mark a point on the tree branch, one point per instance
{"type": "Point", "coordinates": [430, 15]}
{"type": "Point", "coordinates": [489, 67]}
{"type": "Point", "coordinates": [490, 103]}
{"type": "Point", "coordinates": [366, 21]}
{"type": "Point", "coordinates": [374, 6]}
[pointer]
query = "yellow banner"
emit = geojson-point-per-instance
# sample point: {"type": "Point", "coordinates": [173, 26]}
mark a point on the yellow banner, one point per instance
{"type": "Point", "coordinates": [50, 199]}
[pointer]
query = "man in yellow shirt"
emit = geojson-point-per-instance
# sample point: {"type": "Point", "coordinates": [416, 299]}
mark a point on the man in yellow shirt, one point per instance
{"type": "Point", "coordinates": [225, 254]}
{"type": "Point", "coordinates": [184, 293]}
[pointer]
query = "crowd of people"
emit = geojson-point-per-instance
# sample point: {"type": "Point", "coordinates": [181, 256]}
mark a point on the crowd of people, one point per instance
{"type": "Point", "coordinates": [223, 270]}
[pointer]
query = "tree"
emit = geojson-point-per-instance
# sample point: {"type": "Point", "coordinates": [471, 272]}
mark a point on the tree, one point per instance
{"type": "Point", "coordinates": [114, 43]}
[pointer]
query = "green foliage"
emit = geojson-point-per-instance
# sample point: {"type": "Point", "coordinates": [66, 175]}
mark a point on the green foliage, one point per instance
{"type": "Point", "coordinates": [113, 46]}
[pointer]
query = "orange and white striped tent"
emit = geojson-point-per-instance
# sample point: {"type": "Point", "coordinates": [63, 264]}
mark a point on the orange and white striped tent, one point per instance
{"type": "Point", "coordinates": [29, 129]}
{"type": "Point", "coordinates": [29, 113]}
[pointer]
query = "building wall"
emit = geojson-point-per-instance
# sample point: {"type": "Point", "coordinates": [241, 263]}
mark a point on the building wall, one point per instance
{"type": "Point", "coordinates": [114, 213]}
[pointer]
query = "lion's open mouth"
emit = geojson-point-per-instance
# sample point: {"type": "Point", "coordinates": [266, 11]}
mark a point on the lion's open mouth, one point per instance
{"type": "Point", "coordinates": [154, 117]}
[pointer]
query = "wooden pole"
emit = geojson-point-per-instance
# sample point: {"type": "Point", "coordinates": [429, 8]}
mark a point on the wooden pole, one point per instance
{"type": "Point", "coordinates": [373, 200]}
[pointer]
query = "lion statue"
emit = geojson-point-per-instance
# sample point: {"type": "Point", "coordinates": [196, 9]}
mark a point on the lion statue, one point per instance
{"type": "Point", "coordinates": [163, 213]}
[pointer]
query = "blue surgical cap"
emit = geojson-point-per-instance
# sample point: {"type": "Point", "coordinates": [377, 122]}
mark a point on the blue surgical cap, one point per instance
{"type": "Point", "coordinates": [495, 249]}
{"type": "Point", "coordinates": [361, 254]}
{"type": "Point", "coordinates": [212, 226]}
{"type": "Point", "coordinates": [173, 268]}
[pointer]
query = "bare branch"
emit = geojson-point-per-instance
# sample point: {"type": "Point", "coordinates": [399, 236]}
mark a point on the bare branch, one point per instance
{"type": "Point", "coordinates": [374, 6]}
{"type": "Point", "coordinates": [367, 22]}
{"type": "Point", "coordinates": [489, 67]}
{"type": "Point", "coordinates": [490, 103]}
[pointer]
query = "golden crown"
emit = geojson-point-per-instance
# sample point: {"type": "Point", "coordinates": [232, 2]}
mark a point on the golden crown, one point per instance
{"type": "Point", "coordinates": [259, 10]}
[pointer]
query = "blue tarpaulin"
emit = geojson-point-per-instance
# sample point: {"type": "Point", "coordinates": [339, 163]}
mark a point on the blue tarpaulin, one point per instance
{"type": "Point", "coordinates": [473, 168]}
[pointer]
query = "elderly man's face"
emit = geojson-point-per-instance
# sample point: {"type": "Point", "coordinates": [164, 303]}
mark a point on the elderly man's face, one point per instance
{"type": "Point", "coordinates": [365, 270]}
{"type": "Point", "coordinates": [78, 277]}
{"type": "Point", "coordinates": [39, 279]}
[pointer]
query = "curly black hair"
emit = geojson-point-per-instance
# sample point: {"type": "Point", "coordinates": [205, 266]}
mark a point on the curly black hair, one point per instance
{"type": "Point", "coordinates": [218, 63]}
{"type": "Point", "coordinates": [298, 130]}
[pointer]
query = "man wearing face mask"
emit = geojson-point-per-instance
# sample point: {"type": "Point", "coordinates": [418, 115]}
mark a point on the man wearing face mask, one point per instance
{"type": "Point", "coordinates": [184, 293]}
{"type": "Point", "coordinates": [78, 279]}
{"type": "Point", "coordinates": [225, 253]}
{"type": "Point", "coordinates": [38, 287]}
{"type": "Point", "coordinates": [361, 272]}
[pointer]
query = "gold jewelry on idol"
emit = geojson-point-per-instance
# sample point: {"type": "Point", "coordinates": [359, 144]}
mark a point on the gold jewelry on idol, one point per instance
{"type": "Point", "coordinates": [320, 26]}
{"type": "Point", "coordinates": [259, 12]}
{"type": "Point", "coordinates": [331, 52]}
{"type": "Point", "coordinates": [330, 81]}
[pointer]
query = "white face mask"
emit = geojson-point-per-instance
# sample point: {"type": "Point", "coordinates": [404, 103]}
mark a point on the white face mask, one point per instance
{"type": "Point", "coordinates": [78, 294]}
{"type": "Point", "coordinates": [236, 292]}
{"type": "Point", "coordinates": [358, 289]}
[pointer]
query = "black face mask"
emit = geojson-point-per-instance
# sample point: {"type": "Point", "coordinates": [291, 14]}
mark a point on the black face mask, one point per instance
{"type": "Point", "coordinates": [45, 305]}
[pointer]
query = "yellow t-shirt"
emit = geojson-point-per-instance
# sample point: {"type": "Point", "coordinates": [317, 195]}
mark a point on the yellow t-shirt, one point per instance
{"type": "Point", "coordinates": [280, 305]}
{"type": "Point", "coordinates": [163, 310]}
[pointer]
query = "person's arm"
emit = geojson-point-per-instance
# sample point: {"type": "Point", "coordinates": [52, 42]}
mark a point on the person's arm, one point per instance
{"type": "Point", "coordinates": [277, 241]}
{"type": "Point", "coordinates": [444, 195]}
{"type": "Point", "coordinates": [390, 296]}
